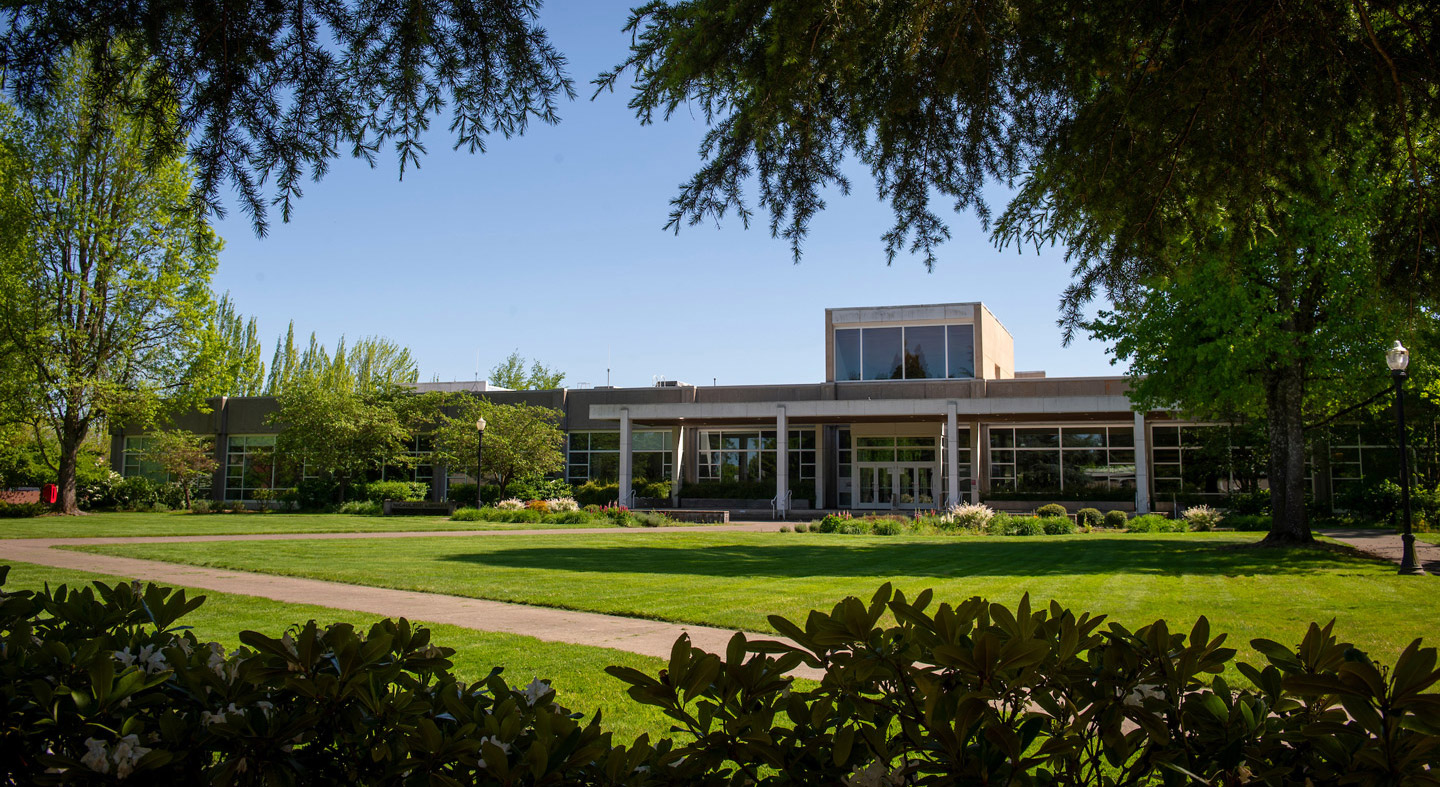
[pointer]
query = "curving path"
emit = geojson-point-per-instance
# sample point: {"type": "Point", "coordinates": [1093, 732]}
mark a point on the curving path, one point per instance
{"type": "Point", "coordinates": [646, 637]}
{"type": "Point", "coordinates": [1385, 543]}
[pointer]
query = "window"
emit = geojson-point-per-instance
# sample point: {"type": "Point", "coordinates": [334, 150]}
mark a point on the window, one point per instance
{"type": "Point", "coordinates": [254, 471]}
{"type": "Point", "coordinates": [915, 352]}
{"type": "Point", "coordinates": [135, 463]}
{"type": "Point", "coordinates": [1205, 459]}
{"type": "Point", "coordinates": [1046, 459]}
{"type": "Point", "coordinates": [595, 456]}
{"type": "Point", "coordinates": [726, 455]}
{"type": "Point", "coordinates": [420, 470]}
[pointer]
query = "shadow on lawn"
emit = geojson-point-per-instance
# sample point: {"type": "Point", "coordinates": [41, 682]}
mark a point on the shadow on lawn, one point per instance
{"type": "Point", "coordinates": [1018, 557]}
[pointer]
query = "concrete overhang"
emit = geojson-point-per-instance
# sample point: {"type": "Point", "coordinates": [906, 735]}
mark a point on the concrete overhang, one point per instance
{"type": "Point", "coordinates": [698, 413]}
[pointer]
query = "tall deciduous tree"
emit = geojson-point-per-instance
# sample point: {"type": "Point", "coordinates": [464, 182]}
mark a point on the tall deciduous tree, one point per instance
{"type": "Point", "coordinates": [521, 440]}
{"type": "Point", "coordinates": [339, 433]}
{"type": "Point", "coordinates": [104, 267]}
{"type": "Point", "coordinates": [233, 347]}
{"type": "Point", "coordinates": [266, 94]}
{"type": "Point", "coordinates": [1290, 328]}
{"type": "Point", "coordinates": [373, 364]}
{"type": "Point", "coordinates": [512, 373]}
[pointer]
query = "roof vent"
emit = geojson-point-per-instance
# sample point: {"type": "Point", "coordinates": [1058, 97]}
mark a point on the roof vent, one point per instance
{"type": "Point", "coordinates": [672, 384]}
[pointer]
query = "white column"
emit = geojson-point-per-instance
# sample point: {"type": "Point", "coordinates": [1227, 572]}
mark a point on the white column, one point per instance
{"type": "Point", "coordinates": [1142, 467]}
{"type": "Point", "coordinates": [782, 460]}
{"type": "Point", "coordinates": [952, 458]}
{"type": "Point", "coordinates": [625, 456]}
{"type": "Point", "coordinates": [975, 462]}
{"type": "Point", "coordinates": [677, 472]}
{"type": "Point", "coordinates": [820, 468]}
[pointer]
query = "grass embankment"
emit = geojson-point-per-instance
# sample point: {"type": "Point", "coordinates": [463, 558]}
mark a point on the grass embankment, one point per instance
{"type": "Point", "coordinates": [576, 671]}
{"type": "Point", "coordinates": [737, 579]}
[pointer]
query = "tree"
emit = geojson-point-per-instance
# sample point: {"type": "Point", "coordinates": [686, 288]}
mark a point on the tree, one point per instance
{"type": "Point", "coordinates": [1125, 126]}
{"type": "Point", "coordinates": [104, 269]}
{"type": "Point", "coordinates": [511, 373]}
{"type": "Point", "coordinates": [340, 433]}
{"type": "Point", "coordinates": [187, 458]}
{"type": "Point", "coordinates": [373, 365]}
{"type": "Point", "coordinates": [233, 347]}
{"type": "Point", "coordinates": [1290, 332]}
{"type": "Point", "coordinates": [521, 440]}
{"type": "Point", "coordinates": [267, 94]}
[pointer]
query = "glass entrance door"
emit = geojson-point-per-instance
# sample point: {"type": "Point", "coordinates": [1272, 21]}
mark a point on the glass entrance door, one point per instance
{"type": "Point", "coordinates": [914, 486]}
{"type": "Point", "coordinates": [877, 486]}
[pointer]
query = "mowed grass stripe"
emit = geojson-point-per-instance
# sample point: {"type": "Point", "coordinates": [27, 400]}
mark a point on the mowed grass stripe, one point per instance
{"type": "Point", "coordinates": [179, 523]}
{"type": "Point", "coordinates": [735, 580]}
{"type": "Point", "coordinates": [576, 671]}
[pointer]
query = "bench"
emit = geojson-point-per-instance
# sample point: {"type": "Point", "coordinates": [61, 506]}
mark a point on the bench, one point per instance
{"type": "Point", "coordinates": [417, 508]}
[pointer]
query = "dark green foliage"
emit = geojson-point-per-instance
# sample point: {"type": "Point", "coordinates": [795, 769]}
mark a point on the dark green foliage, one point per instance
{"type": "Point", "coordinates": [746, 490]}
{"type": "Point", "coordinates": [1089, 517]}
{"type": "Point", "coordinates": [831, 523]}
{"type": "Point", "coordinates": [1053, 509]}
{"type": "Point", "coordinates": [267, 95]}
{"type": "Point", "coordinates": [1116, 519]}
{"type": "Point", "coordinates": [311, 494]}
{"type": "Point", "coordinates": [1248, 522]}
{"type": "Point", "coordinates": [1083, 493]}
{"type": "Point", "coordinates": [887, 527]}
{"type": "Point", "coordinates": [1025, 526]}
{"type": "Point", "coordinates": [592, 493]}
{"type": "Point", "coordinates": [380, 491]}
{"type": "Point", "coordinates": [978, 693]}
{"type": "Point", "coordinates": [22, 510]}
{"type": "Point", "coordinates": [1057, 525]}
{"type": "Point", "coordinates": [968, 693]}
{"type": "Point", "coordinates": [802, 527]}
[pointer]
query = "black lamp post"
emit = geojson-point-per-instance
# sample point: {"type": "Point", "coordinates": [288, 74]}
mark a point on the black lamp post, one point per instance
{"type": "Point", "coordinates": [480, 455]}
{"type": "Point", "coordinates": [1398, 358]}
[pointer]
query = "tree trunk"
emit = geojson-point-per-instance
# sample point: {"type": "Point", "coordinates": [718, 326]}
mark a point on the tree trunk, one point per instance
{"type": "Point", "coordinates": [72, 435]}
{"type": "Point", "coordinates": [1284, 398]}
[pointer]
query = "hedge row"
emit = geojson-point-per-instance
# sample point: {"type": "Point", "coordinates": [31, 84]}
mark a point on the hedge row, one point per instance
{"type": "Point", "coordinates": [101, 684]}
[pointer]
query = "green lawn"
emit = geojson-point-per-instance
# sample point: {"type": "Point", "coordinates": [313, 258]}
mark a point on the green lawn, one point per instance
{"type": "Point", "coordinates": [576, 671]}
{"type": "Point", "coordinates": [177, 523]}
{"type": "Point", "coordinates": [736, 579]}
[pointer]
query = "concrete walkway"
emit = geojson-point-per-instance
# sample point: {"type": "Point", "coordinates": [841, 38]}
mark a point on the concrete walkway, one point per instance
{"type": "Point", "coordinates": [1386, 544]}
{"type": "Point", "coordinates": [646, 637]}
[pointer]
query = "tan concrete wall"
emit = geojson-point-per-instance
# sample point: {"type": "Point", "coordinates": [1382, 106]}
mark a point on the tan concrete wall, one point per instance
{"type": "Point", "coordinates": [995, 355]}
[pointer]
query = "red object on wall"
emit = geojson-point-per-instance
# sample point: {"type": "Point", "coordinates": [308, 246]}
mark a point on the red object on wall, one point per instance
{"type": "Point", "coordinates": [49, 493]}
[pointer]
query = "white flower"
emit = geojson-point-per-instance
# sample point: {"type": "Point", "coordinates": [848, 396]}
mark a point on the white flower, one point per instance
{"type": "Point", "coordinates": [95, 758]}
{"type": "Point", "coordinates": [510, 504]}
{"type": "Point", "coordinates": [875, 775]}
{"type": "Point", "coordinates": [127, 755]}
{"type": "Point", "coordinates": [504, 747]}
{"type": "Point", "coordinates": [562, 504]}
{"type": "Point", "coordinates": [207, 718]}
{"type": "Point", "coordinates": [537, 689]}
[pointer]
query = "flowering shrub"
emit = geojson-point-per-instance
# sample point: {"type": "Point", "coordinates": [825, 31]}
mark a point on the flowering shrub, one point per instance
{"type": "Point", "coordinates": [541, 506]}
{"type": "Point", "coordinates": [562, 504]}
{"type": "Point", "coordinates": [971, 516]}
{"type": "Point", "coordinates": [101, 684]}
{"type": "Point", "coordinates": [510, 504]}
{"type": "Point", "coordinates": [1203, 517]}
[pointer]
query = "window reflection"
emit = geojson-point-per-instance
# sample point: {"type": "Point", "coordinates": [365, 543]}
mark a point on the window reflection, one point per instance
{"type": "Point", "coordinates": [847, 354]}
{"type": "Point", "coordinates": [881, 356]}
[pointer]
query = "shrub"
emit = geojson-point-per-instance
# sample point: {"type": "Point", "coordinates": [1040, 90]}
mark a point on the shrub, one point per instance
{"type": "Point", "coordinates": [1116, 519]}
{"type": "Point", "coordinates": [562, 504]}
{"type": "Point", "coordinates": [22, 510]}
{"type": "Point", "coordinates": [538, 488]}
{"type": "Point", "coordinates": [648, 519]}
{"type": "Point", "coordinates": [468, 515]}
{"type": "Point", "coordinates": [311, 494]}
{"type": "Point", "coordinates": [1052, 509]}
{"type": "Point", "coordinates": [362, 508]}
{"type": "Point", "coordinates": [135, 493]}
{"type": "Point", "coordinates": [1089, 517]}
{"type": "Point", "coordinates": [332, 704]}
{"type": "Point", "coordinates": [1202, 518]}
{"type": "Point", "coordinates": [887, 527]}
{"type": "Point", "coordinates": [853, 527]}
{"type": "Point", "coordinates": [380, 491]}
{"type": "Point", "coordinates": [1155, 523]}
{"type": "Point", "coordinates": [1256, 502]}
{"type": "Point", "coordinates": [784, 529]}
{"type": "Point", "coordinates": [1027, 526]}
{"type": "Point", "coordinates": [831, 523]}
{"type": "Point", "coordinates": [801, 527]}
{"type": "Point", "coordinates": [1057, 525]}
{"type": "Point", "coordinates": [972, 516]}
{"type": "Point", "coordinates": [592, 493]}
{"type": "Point", "coordinates": [537, 505]}
{"type": "Point", "coordinates": [510, 504]}
{"type": "Point", "coordinates": [200, 505]}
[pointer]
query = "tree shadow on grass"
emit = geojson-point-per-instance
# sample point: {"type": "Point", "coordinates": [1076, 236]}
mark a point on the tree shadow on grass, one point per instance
{"type": "Point", "coordinates": [1017, 557]}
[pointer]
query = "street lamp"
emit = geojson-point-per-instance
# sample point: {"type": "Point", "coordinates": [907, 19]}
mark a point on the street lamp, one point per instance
{"type": "Point", "coordinates": [1398, 358]}
{"type": "Point", "coordinates": [480, 454]}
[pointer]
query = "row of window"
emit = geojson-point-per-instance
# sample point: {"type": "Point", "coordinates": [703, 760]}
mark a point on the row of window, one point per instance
{"type": "Point", "coordinates": [915, 352]}
{"type": "Point", "coordinates": [1039, 460]}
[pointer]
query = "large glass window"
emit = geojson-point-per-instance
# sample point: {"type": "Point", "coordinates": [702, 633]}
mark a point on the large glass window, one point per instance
{"type": "Point", "coordinates": [960, 350]}
{"type": "Point", "coordinates": [1054, 459]}
{"type": "Point", "coordinates": [595, 456]}
{"type": "Point", "coordinates": [136, 464]}
{"type": "Point", "coordinates": [847, 354]}
{"type": "Point", "coordinates": [1205, 459]}
{"type": "Point", "coordinates": [419, 469]}
{"type": "Point", "coordinates": [253, 470]}
{"type": "Point", "coordinates": [731, 455]}
{"type": "Point", "coordinates": [916, 352]}
{"type": "Point", "coordinates": [880, 352]}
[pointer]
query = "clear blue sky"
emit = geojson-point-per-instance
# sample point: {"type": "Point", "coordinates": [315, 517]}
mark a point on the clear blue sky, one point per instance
{"type": "Point", "coordinates": [553, 244]}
